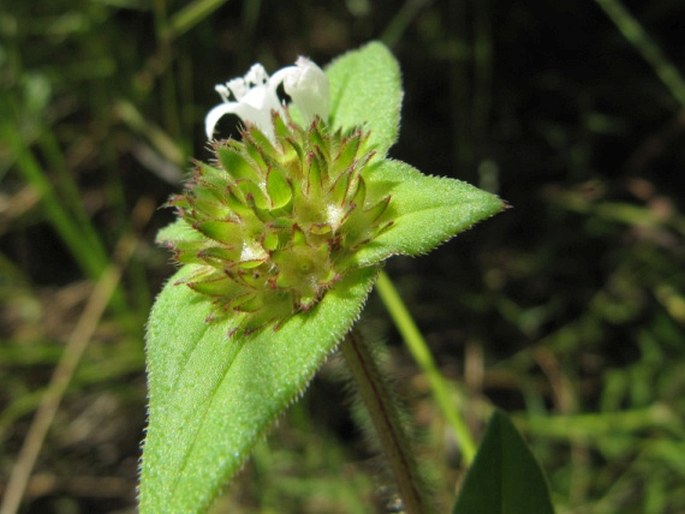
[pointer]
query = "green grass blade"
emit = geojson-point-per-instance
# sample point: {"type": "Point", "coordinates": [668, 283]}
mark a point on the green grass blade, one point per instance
{"type": "Point", "coordinates": [419, 349]}
{"type": "Point", "coordinates": [650, 51]}
{"type": "Point", "coordinates": [90, 259]}
{"type": "Point", "coordinates": [192, 14]}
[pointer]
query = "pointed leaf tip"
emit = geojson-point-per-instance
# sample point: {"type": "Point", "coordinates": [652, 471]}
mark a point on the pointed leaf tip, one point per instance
{"type": "Point", "coordinates": [505, 478]}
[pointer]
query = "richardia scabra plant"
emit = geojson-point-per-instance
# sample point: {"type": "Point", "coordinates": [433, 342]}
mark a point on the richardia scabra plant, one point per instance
{"type": "Point", "coordinates": [280, 239]}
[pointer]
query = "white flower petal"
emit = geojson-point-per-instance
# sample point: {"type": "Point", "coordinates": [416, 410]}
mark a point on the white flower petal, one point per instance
{"type": "Point", "coordinates": [254, 97]}
{"type": "Point", "coordinates": [256, 76]}
{"type": "Point", "coordinates": [261, 98]}
{"type": "Point", "coordinates": [308, 87]}
{"type": "Point", "coordinates": [224, 92]}
{"type": "Point", "coordinates": [237, 87]}
{"type": "Point", "coordinates": [246, 113]}
{"type": "Point", "coordinates": [216, 114]}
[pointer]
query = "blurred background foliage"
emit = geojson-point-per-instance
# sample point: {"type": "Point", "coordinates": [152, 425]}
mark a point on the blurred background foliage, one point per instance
{"type": "Point", "coordinates": [568, 310]}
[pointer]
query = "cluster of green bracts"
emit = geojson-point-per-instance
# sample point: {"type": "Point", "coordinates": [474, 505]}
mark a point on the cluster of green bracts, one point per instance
{"type": "Point", "coordinates": [277, 223]}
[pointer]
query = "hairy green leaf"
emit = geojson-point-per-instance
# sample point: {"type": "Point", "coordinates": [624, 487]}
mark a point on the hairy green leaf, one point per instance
{"type": "Point", "coordinates": [427, 211]}
{"type": "Point", "coordinates": [365, 88]}
{"type": "Point", "coordinates": [505, 478]}
{"type": "Point", "coordinates": [213, 395]}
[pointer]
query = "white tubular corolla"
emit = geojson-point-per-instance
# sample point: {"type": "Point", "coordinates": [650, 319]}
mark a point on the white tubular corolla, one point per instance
{"type": "Point", "coordinates": [254, 97]}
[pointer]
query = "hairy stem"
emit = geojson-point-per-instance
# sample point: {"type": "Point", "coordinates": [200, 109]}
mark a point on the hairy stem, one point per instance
{"type": "Point", "coordinates": [422, 355]}
{"type": "Point", "coordinates": [383, 410]}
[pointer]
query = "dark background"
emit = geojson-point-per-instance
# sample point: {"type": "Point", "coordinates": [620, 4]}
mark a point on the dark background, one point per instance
{"type": "Point", "coordinates": [567, 310]}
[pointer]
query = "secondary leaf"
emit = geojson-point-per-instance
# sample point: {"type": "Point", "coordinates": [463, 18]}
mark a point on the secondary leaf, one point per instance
{"type": "Point", "coordinates": [505, 478]}
{"type": "Point", "coordinates": [365, 88]}
{"type": "Point", "coordinates": [426, 210]}
{"type": "Point", "coordinates": [212, 396]}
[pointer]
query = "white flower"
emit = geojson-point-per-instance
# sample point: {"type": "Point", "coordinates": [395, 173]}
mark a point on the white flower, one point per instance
{"type": "Point", "coordinates": [254, 97]}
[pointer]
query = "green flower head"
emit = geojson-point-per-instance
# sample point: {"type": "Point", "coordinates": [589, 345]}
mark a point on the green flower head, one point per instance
{"type": "Point", "coordinates": [281, 213]}
{"type": "Point", "coordinates": [304, 197]}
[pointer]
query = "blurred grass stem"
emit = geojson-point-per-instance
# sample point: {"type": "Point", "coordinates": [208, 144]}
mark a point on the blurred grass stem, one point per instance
{"type": "Point", "coordinates": [650, 51]}
{"type": "Point", "coordinates": [91, 257]}
{"type": "Point", "coordinates": [422, 355]}
{"type": "Point", "coordinates": [401, 21]}
{"type": "Point", "coordinates": [192, 14]}
{"type": "Point", "coordinates": [64, 371]}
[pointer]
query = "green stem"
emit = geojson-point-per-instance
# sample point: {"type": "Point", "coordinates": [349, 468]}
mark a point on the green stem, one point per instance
{"type": "Point", "coordinates": [650, 51]}
{"type": "Point", "coordinates": [401, 21]}
{"type": "Point", "coordinates": [422, 355]}
{"type": "Point", "coordinates": [382, 408]}
{"type": "Point", "coordinates": [192, 14]}
{"type": "Point", "coordinates": [592, 428]}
